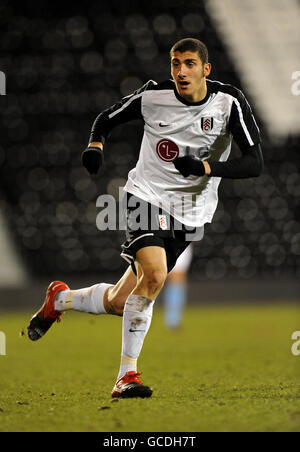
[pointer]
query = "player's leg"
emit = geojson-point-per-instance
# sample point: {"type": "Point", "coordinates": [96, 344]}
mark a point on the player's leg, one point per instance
{"type": "Point", "coordinates": [100, 298]}
{"type": "Point", "coordinates": [116, 296]}
{"type": "Point", "coordinates": [175, 290]}
{"type": "Point", "coordinates": [152, 271]}
{"type": "Point", "coordinates": [151, 267]}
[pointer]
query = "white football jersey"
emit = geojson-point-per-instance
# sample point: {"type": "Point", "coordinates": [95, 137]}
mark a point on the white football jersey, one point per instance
{"type": "Point", "coordinates": [174, 127]}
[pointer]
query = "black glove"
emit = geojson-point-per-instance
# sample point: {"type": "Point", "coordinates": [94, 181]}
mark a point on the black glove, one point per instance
{"type": "Point", "coordinates": [92, 159]}
{"type": "Point", "coordinates": [189, 164]}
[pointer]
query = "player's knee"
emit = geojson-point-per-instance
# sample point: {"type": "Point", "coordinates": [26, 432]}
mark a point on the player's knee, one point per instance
{"type": "Point", "coordinates": [154, 277]}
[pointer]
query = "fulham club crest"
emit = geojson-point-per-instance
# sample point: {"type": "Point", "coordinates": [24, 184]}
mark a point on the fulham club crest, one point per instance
{"type": "Point", "coordinates": [207, 124]}
{"type": "Point", "coordinates": [163, 224]}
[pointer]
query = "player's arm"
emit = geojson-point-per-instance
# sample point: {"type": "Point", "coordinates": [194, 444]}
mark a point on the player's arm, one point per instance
{"type": "Point", "coordinates": [250, 164]}
{"type": "Point", "coordinates": [127, 109]}
{"type": "Point", "coordinates": [246, 134]}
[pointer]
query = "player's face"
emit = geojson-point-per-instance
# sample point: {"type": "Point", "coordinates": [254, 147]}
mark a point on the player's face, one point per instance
{"type": "Point", "coordinates": [189, 74]}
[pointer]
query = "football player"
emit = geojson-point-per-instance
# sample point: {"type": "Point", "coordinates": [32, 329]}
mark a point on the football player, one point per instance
{"type": "Point", "coordinates": [189, 123]}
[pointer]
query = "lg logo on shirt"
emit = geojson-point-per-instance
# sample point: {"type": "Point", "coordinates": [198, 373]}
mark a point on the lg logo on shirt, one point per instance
{"type": "Point", "coordinates": [167, 150]}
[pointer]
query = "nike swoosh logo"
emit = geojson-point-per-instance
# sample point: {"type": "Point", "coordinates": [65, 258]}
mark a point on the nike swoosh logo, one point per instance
{"type": "Point", "coordinates": [133, 331]}
{"type": "Point", "coordinates": [163, 125]}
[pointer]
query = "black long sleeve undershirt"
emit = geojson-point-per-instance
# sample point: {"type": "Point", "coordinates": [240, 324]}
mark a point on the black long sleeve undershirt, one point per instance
{"type": "Point", "coordinates": [250, 164]}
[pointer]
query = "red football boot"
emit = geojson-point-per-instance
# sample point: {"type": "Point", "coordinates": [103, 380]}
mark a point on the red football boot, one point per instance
{"type": "Point", "coordinates": [131, 386]}
{"type": "Point", "coordinates": [46, 316]}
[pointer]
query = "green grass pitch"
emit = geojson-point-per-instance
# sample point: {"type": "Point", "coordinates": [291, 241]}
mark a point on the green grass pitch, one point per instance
{"type": "Point", "coordinates": [229, 368]}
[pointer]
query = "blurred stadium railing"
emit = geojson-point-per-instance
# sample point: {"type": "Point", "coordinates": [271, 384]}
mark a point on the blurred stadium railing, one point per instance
{"type": "Point", "coordinates": [64, 64]}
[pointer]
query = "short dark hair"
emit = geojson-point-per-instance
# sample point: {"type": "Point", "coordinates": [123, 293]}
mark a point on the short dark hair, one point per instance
{"type": "Point", "coordinates": [193, 45]}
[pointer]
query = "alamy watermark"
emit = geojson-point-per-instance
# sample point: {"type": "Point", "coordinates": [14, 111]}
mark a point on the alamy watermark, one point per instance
{"type": "Point", "coordinates": [295, 88]}
{"type": "Point", "coordinates": [296, 345]}
{"type": "Point", "coordinates": [2, 343]}
{"type": "Point", "coordinates": [137, 214]}
{"type": "Point", "coordinates": [2, 84]}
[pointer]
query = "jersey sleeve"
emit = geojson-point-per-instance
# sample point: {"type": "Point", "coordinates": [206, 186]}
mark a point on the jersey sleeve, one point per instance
{"type": "Point", "coordinates": [129, 108]}
{"type": "Point", "coordinates": [250, 164]}
{"type": "Point", "coordinates": [242, 124]}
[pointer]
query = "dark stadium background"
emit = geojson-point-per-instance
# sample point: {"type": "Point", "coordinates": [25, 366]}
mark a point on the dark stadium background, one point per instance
{"type": "Point", "coordinates": [64, 63]}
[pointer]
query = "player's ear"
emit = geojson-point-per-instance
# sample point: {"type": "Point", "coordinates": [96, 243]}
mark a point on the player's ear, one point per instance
{"type": "Point", "coordinates": [207, 69]}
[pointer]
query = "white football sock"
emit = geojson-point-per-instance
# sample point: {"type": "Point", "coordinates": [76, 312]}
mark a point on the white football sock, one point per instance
{"type": "Point", "coordinates": [89, 299]}
{"type": "Point", "coordinates": [137, 318]}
